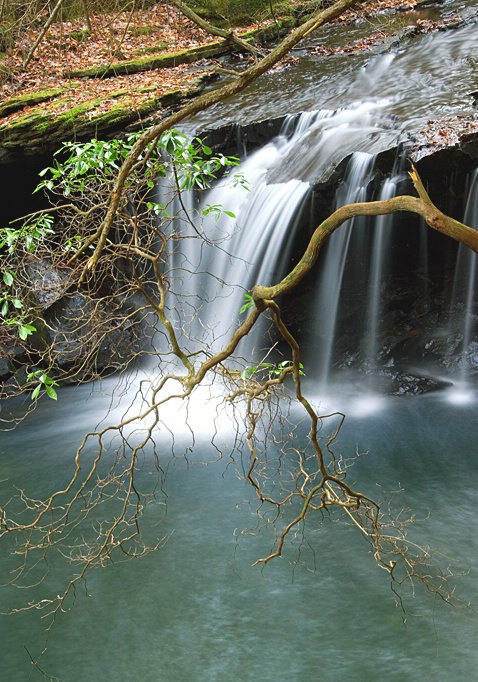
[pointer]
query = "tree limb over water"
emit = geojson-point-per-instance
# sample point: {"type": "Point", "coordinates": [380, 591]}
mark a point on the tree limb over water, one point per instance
{"type": "Point", "coordinates": [421, 205]}
{"type": "Point", "coordinates": [96, 516]}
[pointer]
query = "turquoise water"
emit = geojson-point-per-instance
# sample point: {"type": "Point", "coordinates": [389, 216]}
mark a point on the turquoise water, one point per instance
{"type": "Point", "coordinates": [197, 610]}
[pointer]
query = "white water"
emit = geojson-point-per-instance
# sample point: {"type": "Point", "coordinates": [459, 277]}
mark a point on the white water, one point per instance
{"type": "Point", "coordinates": [219, 268]}
{"type": "Point", "coordinates": [258, 246]}
{"type": "Point", "coordinates": [379, 262]}
{"type": "Point", "coordinates": [465, 285]}
{"type": "Point", "coordinates": [354, 189]}
{"type": "Point", "coordinates": [430, 77]}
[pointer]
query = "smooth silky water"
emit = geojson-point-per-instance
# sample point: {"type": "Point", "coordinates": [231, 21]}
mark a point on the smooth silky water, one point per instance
{"type": "Point", "coordinates": [428, 77]}
{"type": "Point", "coordinates": [197, 609]}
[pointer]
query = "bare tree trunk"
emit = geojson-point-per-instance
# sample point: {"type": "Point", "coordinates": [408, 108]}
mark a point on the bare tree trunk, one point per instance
{"type": "Point", "coordinates": [48, 23]}
{"type": "Point", "coordinates": [274, 18]}
{"type": "Point", "coordinates": [2, 9]}
{"type": "Point", "coordinates": [87, 16]}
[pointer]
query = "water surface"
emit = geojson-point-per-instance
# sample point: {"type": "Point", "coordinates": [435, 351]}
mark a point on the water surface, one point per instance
{"type": "Point", "coordinates": [197, 609]}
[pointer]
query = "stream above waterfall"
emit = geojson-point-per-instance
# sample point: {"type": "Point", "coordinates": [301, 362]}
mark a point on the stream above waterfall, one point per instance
{"type": "Point", "coordinates": [424, 78]}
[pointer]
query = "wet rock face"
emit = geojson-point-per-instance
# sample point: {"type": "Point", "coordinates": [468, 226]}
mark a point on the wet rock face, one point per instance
{"type": "Point", "coordinates": [419, 343]}
{"type": "Point", "coordinates": [413, 342]}
{"type": "Point", "coordinates": [77, 336]}
{"type": "Point", "coordinates": [411, 384]}
{"type": "Point", "coordinates": [397, 383]}
{"type": "Point", "coordinates": [48, 283]}
{"type": "Point", "coordinates": [87, 338]}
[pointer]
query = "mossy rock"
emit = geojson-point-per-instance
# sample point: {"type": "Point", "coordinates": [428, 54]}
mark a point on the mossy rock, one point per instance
{"type": "Point", "coordinates": [213, 49]}
{"type": "Point", "coordinates": [44, 129]}
{"type": "Point", "coordinates": [80, 36]}
{"type": "Point", "coordinates": [232, 12]}
{"type": "Point", "coordinates": [149, 63]}
{"type": "Point", "coordinates": [17, 103]}
{"type": "Point", "coordinates": [27, 127]}
{"type": "Point", "coordinates": [269, 33]}
{"type": "Point", "coordinates": [141, 30]}
{"type": "Point", "coordinates": [152, 49]}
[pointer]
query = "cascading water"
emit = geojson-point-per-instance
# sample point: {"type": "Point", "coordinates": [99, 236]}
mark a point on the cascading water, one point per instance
{"type": "Point", "coordinates": [379, 256]}
{"type": "Point", "coordinates": [353, 189]}
{"type": "Point", "coordinates": [258, 246]}
{"type": "Point", "coordinates": [464, 289]}
{"type": "Point", "coordinates": [404, 89]}
{"type": "Point", "coordinates": [219, 264]}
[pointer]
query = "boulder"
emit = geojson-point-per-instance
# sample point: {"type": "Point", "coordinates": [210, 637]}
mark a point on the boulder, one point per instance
{"type": "Point", "coordinates": [89, 338]}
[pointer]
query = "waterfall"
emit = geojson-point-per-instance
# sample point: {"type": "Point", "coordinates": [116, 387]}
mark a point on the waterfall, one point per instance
{"type": "Point", "coordinates": [379, 261]}
{"type": "Point", "coordinates": [225, 257]}
{"type": "Point", "coordinates": [228, 256]}
{"type": "Point", "coordinates": [256, 247]}
{"type": "Point", "coordinates": [471, 219]}
{"type": "Point", "coordinates": [353, 189]}
{"type": "Point", "coordinates": [465, 283]}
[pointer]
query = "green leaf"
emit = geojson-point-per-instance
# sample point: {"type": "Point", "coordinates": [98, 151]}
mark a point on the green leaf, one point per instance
{"type": "Point", "coordinates": [24, 330]}
{"type": "Point", "coordinates": [51, 393]}
{"type": "Point", "coordinates": [36, 391]}
{"type": "Point", "coordinates": [8, 278]}
{"type": "Point", "coordinates": [248, 303]}
{"type": "Point", "coordinates": [245, 374]}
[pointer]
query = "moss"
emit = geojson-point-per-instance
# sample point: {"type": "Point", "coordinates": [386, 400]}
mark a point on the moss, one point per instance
{"type": "Point", "coordinates": [81, 36]}
{"type": "Point", "coordinates": [156, 103]}
{"type": "Point", "coordinates": [237, 13]}
{"type": "Point", "coordinates": [172, 59]}
{"type": "Point", "coordinates": [38, 127]}
{"type": "Point", "coordinates": [142, 30]}
{"type": "Point", "coordinates": [147, 88]}
{"type": "Point", "coordinates": [80, 109]}
{"type": "Point", "coordinates": [23, 130]}
{"type": "Point", "coordinates": [44, 129]}
{"type": "Point", "coordinates": [151, 49]}
{"type": "Point", "coordinates": [271, 32]}
{"type": "Point", "coordinates": [16, 103]}
{"type": "Point", "coordinates": [119, 93]}
{"type": "Point", "coordinates": [118, 115]}
{"type": "Point", "coordinates": [150, 63]}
